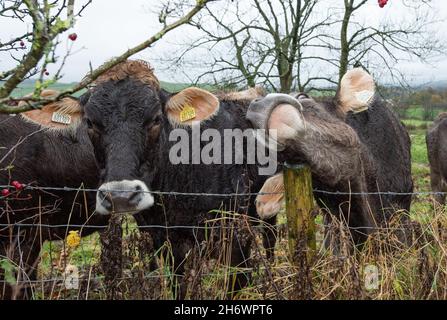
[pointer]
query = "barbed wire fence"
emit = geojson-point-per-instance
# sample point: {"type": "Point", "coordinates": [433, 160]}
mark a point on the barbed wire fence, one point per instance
{"type": "Point", "coordinates": [205, 194]}
{"type": "Point", "coordinates": [169, 227]}
{"type": "Point", "coordinates": [188, 194]}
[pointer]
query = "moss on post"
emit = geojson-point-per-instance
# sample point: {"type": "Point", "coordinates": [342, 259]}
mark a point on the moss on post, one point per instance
{"type": "Point", "coordinates": [301, 225]}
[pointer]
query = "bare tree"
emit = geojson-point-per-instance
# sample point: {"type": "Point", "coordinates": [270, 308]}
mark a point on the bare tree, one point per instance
{"type": "Point", "coordinates": [382, 47]}
{"type": "Point", "coordinates": [50, 20]}
{"type": "Point", "coordinates": [257, 41]}
{"type": "Point", "coordinates": [305, 44]}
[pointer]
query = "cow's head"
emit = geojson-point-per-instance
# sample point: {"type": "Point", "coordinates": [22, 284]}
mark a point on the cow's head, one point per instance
{"type": "Point", "coordinates": [284, 113]}
{"type": "Point", "coordinates": [126, 113]}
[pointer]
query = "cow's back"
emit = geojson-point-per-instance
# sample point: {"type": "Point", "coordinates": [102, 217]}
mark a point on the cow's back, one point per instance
{"type": "Point", "coordinates": [436, 139]}
{"type": "Point", "coordinates": [389, 145]}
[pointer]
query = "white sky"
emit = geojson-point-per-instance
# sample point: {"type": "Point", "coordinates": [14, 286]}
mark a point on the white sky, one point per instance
{"type": "Point", "coordinates": [108, 27]}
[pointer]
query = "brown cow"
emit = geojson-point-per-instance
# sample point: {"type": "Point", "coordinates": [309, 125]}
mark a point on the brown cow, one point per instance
{"type": "Point", "coordinates": [47, 147]}
{"type": "Point", "coordinates": [436, 139]}
{"type": "Point", "coordinates": [353, 144]}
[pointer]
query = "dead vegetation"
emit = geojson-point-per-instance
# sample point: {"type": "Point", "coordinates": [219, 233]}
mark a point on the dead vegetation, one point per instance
{"type": "Point", "coordinates": [127, 268]}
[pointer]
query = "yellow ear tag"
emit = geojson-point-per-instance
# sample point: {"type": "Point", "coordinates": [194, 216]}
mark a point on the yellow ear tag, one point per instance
{"type": "Point", "coordinates": [188, 112]}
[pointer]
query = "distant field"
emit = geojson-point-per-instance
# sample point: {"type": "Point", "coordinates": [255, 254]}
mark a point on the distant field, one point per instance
{"type": "Point", "coordinates": [417, 112]}
{"type": "Point", "coordinates": [416, 124]}
{"type": "Point", "coordinates": [28, 87]}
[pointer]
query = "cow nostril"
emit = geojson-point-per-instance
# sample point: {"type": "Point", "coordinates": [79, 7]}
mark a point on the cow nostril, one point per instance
{"type": "Point", "coordinates": [104, 195]}
{"type": "Point", "coordinates": [106, 199]}
{"type": "Point", "coordinates": [134, 196]}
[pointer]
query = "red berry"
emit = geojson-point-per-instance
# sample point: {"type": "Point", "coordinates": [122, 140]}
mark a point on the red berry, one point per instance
{"type": "Point", "coordinates": [17, 185]}
{"type": "Point", "coordinates": [73, 36]}
{"type": "Point", "coordinates": [47, 73]}
{"type": "Point", "coordinates": [382, 3]}
{"type": "Point", "coordinates": [5, 192]}
{"type": "Point", "coordinates": [22, 44]}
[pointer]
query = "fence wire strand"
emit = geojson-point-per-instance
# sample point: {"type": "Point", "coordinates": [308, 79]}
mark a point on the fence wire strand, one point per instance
{"type": "Point", "coordinates": [205, 194]}
{"type": "Point", "coordinates": [199, 194]}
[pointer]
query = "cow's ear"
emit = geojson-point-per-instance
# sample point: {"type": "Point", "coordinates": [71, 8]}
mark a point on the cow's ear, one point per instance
{"type": "Point", "coordinates": [249, 94]}
{"type": "Point", "coordinates": [62, 114]}
{"type": "Point", "coordinates": [271, 197]}
{"type": "Point", "coordinates": [191, 104]}
{"type": "Point", "coordinates": [356, 92]}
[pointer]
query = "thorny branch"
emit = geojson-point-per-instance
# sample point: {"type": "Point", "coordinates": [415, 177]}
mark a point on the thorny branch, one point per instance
{"type": "Point", "coordinates": [43, 35]}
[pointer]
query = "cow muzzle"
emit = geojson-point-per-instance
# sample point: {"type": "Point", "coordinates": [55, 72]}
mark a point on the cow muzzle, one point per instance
{"type": "Point", "coordinates": [277, 113]}
{"type": "Point", "coordinates": [125, 196]}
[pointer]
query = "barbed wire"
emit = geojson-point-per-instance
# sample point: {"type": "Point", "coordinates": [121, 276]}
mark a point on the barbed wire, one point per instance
{"type": "Point", "coordinates": [206, 194]}
{"type": "Point", "coordinates": [157, 226]}
{"type": "Point", "coordinates": [196, 227]}
{"type": "Point", "coordinates": [173, 193]}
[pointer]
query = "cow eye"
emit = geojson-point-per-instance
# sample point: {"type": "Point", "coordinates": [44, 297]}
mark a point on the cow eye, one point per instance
{"type": "Point", "coordinates": [152, 121]}
{"type": "Point", "coordinates": [94, 125]}
{"type": "Point", "coordinates": [157, 120]}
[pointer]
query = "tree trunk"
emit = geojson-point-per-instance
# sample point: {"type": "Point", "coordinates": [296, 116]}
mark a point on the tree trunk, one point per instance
{"type": "Point", "coordinates": [344, 43]}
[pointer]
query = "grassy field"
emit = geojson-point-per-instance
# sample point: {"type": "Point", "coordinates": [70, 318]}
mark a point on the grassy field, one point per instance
{"type": "Point", "coordinates": [416, 116]}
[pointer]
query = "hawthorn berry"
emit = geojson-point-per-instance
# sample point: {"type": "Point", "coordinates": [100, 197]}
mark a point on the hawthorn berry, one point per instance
{"type": "Point", "coordinates": [22, 44]}
{"type": "Point", "coordinates": [17, 185]}
{"type": "Point", "coordinates": [382, 3]}
{"type": "Point", "coordinates": [73, 36]}
{"type": "Point", "coordinates": [5, 192]}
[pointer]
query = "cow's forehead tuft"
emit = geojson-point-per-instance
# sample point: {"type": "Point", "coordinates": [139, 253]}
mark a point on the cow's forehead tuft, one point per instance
{"type": "Point", "coordinates": [137, 69]}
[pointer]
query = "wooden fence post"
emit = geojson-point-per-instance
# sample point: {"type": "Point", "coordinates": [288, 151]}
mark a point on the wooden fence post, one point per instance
{"type": "Point", "coordinates": [300, 224]}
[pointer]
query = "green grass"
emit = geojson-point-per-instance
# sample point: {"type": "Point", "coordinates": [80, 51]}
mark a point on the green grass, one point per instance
{"type": "Point", "coordinates": [416, 124]}
{"type": "Point", "coordinates": [85, 255]}
{"type": "Point", "coordinates": [418, 147]}
{"type": "Point", "coordinates": [418, 112]}
{"type": "Point", "coordinates": [28, 87]}
{"type": "Point", "coordinates": [422, 205]}
{"type": "Point", "coordinates": [420, 168]}
{"type": "Point", "coordinates": [415, 112]}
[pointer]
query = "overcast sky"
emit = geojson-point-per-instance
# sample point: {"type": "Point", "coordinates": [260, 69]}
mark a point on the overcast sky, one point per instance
{"type": "Point", "coordinates": [107, 28]}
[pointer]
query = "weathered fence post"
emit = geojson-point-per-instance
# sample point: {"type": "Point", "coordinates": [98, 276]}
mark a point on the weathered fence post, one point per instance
{"type": "Point", "coordinates": [300, 224]}
{"type": "Point", "coordinates": [112, 256]}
